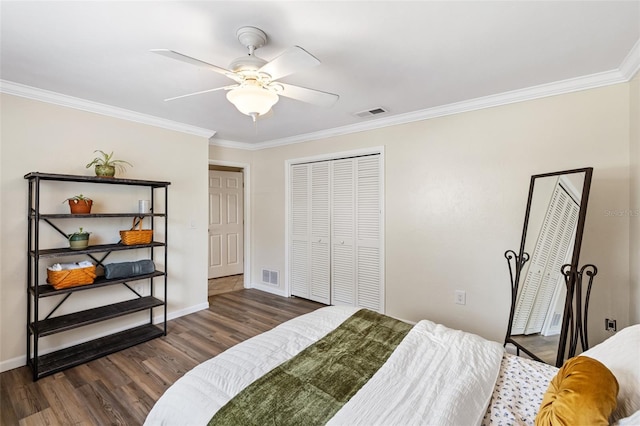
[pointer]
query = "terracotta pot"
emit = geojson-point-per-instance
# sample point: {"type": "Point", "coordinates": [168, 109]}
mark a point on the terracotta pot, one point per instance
{"type": "Point", "coordinates": [105, 171]}
{"type": "Point", "coordinates": [80, 206]}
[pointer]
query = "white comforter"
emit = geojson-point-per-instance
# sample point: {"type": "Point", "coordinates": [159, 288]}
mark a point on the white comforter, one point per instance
{"type": "Point", "coordinates": [435, 376]}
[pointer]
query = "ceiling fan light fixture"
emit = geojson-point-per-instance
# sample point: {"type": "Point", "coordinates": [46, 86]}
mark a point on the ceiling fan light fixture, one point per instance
{"type": "Point", "coordinates": [252, 100]}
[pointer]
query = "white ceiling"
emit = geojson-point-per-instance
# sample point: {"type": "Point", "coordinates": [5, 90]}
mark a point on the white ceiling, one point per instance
{"type": "Point", "coordinates": [414, 59]}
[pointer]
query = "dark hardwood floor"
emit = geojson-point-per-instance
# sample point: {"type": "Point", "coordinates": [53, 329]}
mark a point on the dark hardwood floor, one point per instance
{"type": "Point", "coordinates": [121, 388]}
{"type": "Point", "coordinates": [545, 347]}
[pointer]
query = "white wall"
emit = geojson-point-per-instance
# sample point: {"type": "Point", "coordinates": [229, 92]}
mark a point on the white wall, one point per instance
{"type": "Point", "coordinates": [634, 202]}
{"type": "Point", "coordinates": [456, 190]}
{"type": "Point", "coordinates": [37, 136]}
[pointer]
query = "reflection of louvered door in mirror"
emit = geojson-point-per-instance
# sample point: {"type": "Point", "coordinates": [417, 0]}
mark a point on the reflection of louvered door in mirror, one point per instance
{"type": "Point", "coordinates": [564, 219]}
{"type": "Point", "coordinates": [552, 249]}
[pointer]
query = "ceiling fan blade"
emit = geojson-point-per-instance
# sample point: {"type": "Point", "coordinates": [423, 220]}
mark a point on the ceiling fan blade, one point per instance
{"type": "Point", "coordinates": [193, 61]}
{"type": "Point", "coordinates": [291, 60]}
{"type": "Point", "coordinates": [310, 96]}
{"type": "Point", "coordinates": [201, 92]}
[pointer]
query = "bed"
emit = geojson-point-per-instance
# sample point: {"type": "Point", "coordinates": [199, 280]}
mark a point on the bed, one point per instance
{"type": "Point", "coordinates": [429, 374]}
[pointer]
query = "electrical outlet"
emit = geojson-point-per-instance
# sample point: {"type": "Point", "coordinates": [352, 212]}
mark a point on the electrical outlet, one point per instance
{"type": "Point", "coordinates": [610, 324]}
{"type": "Point", "coordinates": [461, 297]}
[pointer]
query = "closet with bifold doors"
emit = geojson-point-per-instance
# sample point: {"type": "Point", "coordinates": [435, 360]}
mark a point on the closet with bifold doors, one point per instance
{"type": "Point", "coordinates": [335, 231]}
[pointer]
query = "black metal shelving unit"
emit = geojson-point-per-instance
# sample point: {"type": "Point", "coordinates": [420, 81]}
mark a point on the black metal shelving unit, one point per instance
{"type": "Point", "coordinates": [39, 325]}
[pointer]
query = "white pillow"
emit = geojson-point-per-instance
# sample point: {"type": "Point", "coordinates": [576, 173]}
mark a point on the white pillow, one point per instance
{"type": "Point", "coordinates": [633, 420]}
{"type": "Point", "coordinates": [621, 354]}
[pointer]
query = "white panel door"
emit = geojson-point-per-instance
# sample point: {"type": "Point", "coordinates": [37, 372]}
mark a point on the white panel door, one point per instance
{"type": "Point", "coordinates": [226, 223]}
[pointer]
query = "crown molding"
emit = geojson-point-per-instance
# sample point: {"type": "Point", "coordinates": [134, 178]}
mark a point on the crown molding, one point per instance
{"type": "Point", "coordinates": [631, 65]}
{"type": "Point", "coordinates": [25, 91]}
{"type": "Point", "coordinates": [232, 144]}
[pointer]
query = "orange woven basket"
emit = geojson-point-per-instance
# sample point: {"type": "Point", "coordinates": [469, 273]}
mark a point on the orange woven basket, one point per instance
{"type": "Point", "coordinates": [133, 236]}
{"type": "Point", "coordinates": [71, 277]}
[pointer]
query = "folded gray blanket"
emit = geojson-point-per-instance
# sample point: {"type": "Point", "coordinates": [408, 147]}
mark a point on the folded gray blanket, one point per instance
{"type": "Point", "coordinates": [128, 269]}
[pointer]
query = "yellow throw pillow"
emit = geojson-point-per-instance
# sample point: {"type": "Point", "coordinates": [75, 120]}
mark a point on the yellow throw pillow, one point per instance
{"type": "Point", "coordinates": [582, 393]}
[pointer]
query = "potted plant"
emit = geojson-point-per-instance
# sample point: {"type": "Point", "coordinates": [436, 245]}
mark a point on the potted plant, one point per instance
{"type": "Point", "coordinates": [79, 240]}
{"type": "Point", "coordinates": [79, 204]}
{"type": "Point", "coordinates": [105, 165]}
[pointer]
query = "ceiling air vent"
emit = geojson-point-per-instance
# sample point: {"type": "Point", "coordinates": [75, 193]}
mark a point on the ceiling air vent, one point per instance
{"type": "Point", "coordinates": [370, 112]}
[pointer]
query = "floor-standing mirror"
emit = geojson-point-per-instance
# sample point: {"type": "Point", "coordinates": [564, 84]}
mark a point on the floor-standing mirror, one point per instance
{"type": "Point", "coordinates": [543, 291]}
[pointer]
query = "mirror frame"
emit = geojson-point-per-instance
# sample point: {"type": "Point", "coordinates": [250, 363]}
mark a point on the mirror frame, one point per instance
{"type": "Point", "coordinates": [570, 279]}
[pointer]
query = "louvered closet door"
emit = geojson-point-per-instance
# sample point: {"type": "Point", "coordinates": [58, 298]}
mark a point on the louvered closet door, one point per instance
{"type": "Point", "coordinates": [356, 272]}
{"type": "Point", "coordinates": [309, 230]}
{"type": "Point", "coordinates": [299, 227]}
{"type": "Point", "coordinates": [343, 262]}
{"type": "Point", "coordinates": [335, 232]}
{"type": "Point", "coordinates": [320, 278]}
{"type": "Point", "coordinates": [369, 292]}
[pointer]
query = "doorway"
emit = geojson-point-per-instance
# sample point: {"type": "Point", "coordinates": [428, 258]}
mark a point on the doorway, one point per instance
{"type": "Point", "coordinates": [226, 229]}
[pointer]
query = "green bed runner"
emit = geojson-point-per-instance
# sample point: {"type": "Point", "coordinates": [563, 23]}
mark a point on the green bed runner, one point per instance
{"type": "Point", "coordinates": [311, 387]}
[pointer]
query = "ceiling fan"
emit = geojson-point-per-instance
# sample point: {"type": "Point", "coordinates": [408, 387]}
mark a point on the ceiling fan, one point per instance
{"type": "Point", "coordinates": [256, 88]}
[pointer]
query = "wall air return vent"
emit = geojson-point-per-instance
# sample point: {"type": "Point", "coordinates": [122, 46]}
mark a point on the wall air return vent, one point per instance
{"type": "Point", "coordinates": [270, 277]}
{"type": "Point", "coordinates": [370, 112]}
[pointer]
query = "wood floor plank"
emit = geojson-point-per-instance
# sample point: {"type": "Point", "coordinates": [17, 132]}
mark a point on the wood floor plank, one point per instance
{"type": "Point", "coordinates": [40, 418]}
{"type": "Point", "coordinates": [61, 394]}
{"type": "Point", "coordinates": [27, 399]}
{"type": "Point", "coordinates": [121, 388]}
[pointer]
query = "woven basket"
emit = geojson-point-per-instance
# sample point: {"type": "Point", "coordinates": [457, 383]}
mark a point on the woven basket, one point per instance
{"type": "Point", "coordinates": [71, 277]}
{"type": "Point", "coordinates": [136, 236]}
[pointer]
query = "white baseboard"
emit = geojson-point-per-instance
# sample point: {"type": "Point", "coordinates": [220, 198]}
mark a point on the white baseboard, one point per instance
{"type": "Point", "coordinates": [10, 364]}
{"type": "Point", "coordinates": [20, 361]}
{"type": "Point", "coordinates": [182, 312]}
{"type": "Point", "coordinates": [269, 289]}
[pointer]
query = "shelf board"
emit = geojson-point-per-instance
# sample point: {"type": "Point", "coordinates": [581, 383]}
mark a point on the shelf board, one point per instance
{"type": "Point", "coordinates": [88, 351]}
{"type": "Point", "coordinates": [90, 215]}
{"type": "Point", "coordinates": [47, 290]}
{"type": "Point", "coordinates": [96, 179]}
{"type": "Point", "coordinates": [91, 316]}
{"type": "Point", "coordinates": [93, 249]}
